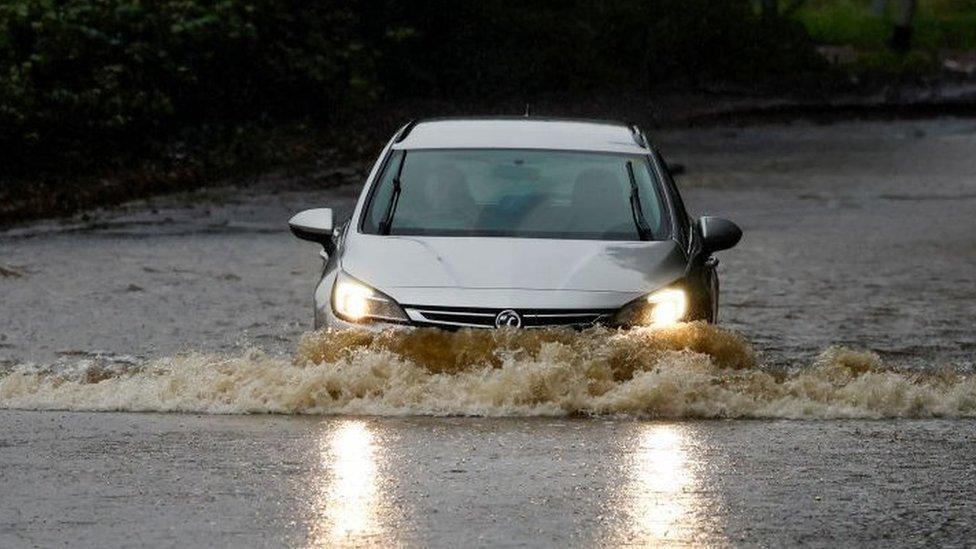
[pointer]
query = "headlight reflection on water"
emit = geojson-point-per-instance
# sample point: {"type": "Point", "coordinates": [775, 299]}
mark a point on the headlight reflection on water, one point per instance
{"type": "Point", "coordinates": [661, 494]}
{"type": "Point", "coordinates": [349, 505]}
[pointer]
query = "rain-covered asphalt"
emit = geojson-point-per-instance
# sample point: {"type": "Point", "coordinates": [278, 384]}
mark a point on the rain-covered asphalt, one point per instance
{"type": "Point", "coordinates": [860, 234]}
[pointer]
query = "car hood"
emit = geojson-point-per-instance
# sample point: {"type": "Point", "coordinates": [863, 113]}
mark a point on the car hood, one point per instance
{"type": "Point", "coordinates": [511, 263]}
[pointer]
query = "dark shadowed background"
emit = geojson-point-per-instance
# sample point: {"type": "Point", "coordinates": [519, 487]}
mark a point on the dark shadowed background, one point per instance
{"type": "Point", "coordinates": [114, 99]}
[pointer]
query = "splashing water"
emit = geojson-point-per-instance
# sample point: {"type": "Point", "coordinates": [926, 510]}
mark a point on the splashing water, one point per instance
{"type": "Point", "coordinates": [689, 371]}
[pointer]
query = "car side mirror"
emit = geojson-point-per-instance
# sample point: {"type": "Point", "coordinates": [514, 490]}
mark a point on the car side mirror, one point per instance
{"type": "Point", "coordinates": [314, 225]}
{"type": "Point", "coordinates": [718, 234]}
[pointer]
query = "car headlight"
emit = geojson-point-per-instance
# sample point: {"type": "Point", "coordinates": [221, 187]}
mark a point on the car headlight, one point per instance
{"type": "Point", "coordinates": [661, 308]}
{"type": "Point", "coordinates": [354, 301]}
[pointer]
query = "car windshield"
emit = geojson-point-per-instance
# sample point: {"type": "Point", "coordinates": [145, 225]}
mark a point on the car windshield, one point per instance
{"type": "Point", "coordinates": [518, 193]}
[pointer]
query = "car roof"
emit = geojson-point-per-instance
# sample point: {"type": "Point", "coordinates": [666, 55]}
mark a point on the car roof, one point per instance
{"type": "Point", "coordinates": [521, 133]}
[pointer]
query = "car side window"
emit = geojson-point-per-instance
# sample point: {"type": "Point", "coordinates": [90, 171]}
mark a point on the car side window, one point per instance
{"type": "Point", "coordinates": [381, 194]}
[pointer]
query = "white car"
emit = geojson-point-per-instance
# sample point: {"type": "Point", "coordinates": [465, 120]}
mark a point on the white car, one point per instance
{"type": "Point", "coordinates": [518, 223]}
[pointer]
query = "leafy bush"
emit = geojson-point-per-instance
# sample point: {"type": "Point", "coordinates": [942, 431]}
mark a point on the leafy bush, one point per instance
{"type": "Point", "coordinates": [939, 24]}
{"type": "Point", "coordinates": [88, 83]}
{"type": "Point", "coordinates": [84, 80]}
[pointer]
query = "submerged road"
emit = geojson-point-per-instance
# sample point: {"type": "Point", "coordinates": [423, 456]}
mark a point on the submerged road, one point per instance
{"type": "Point", "coordinates": [859, 234]}
{"type": "Point", "coordinates": [91, 480]}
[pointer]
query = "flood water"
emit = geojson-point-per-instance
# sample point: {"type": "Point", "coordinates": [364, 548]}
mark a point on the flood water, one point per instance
{"type": "Point", "coordinates": [846, 329]}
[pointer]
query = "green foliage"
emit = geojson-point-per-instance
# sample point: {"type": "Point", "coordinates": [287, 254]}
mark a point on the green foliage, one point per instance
{"type": "Point", "coordinates": [940, 27]}
{"type": "Point", "coordinates": [82, 81]}
{"type": "Point", "coordinates": [88, 83]}
{"type": "Point", "coordinates": [939, 24]}
{"type": "Point", "coordinates": [844, 22]}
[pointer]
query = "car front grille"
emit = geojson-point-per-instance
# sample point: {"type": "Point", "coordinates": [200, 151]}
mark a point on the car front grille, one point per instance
{"type": "Point", "coordinates": [465, 317]}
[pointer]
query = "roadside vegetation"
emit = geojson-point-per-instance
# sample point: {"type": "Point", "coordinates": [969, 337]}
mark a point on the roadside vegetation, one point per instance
{"type": "Point", "coordinates": [938, 24]}
{"type": "Point", "coordinates": [106, 100]}
{"type": "Point", "coordinates": [858, 34]}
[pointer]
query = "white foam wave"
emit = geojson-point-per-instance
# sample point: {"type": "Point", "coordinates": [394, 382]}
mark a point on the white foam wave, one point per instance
{"type": "Point", "coordinates": [693, 371]}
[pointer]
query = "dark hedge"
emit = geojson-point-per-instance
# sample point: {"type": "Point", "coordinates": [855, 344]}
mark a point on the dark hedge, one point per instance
{"type": "Point", "coordinates": [89, 84]}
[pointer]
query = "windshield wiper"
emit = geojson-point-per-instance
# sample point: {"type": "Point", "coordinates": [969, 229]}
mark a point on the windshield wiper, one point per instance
{"type": "Point", "coordinates": [394, 198]}
{"type": "Point", "coordinates": [635, 206]}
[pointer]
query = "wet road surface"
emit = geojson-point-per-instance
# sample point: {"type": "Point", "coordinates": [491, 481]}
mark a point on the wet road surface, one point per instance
{"type": "Point", "coordinates": [856, 234]}
{"type": "Point", "coordinates": [91, 479]}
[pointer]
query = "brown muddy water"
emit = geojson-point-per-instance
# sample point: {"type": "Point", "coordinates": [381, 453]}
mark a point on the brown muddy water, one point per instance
{"type": "Point", "coordinates": [850, 302]}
